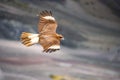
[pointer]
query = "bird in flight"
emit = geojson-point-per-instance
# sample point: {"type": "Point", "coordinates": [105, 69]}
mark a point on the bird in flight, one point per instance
{"type": "Point", "coordinates": [47, 36]}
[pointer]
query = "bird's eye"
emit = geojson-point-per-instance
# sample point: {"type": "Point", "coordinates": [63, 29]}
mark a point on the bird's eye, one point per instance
{"type": "Point", "coordinates": [61, 37]}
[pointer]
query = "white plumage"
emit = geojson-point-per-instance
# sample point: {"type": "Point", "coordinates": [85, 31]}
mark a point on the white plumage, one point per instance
{"type": "Point", "coordinates": [49, 18]}
{"type": "Point", "coordinates": [54, 47]}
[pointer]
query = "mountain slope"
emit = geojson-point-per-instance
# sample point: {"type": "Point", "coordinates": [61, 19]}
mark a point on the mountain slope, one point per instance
{"type": "Point", "coordinates": [79, 22]}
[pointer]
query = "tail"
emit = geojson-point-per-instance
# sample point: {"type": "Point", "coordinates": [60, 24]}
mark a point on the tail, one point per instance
{"type": "Point", "coordinates": [29, 39]}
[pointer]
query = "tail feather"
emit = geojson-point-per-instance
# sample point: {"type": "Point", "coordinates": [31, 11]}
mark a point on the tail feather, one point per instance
{"type": "Point", "coordinates": [29, 39]}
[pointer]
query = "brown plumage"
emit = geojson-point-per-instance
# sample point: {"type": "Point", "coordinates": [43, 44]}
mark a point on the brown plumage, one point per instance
{"type": "Point", "coordinates": [47, 37]}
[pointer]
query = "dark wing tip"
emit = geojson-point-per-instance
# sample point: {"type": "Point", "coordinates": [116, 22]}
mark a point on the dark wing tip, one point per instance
{"type": "Point", "coordinates": [45, 13]}
{"type": "Point", "coordinates": [51, 13]}
{"type": "Point", "coordinates": [50, 50]}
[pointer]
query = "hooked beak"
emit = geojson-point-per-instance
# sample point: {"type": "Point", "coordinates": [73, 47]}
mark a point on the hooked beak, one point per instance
{"type": "Point", "coordinates": [63, 38]}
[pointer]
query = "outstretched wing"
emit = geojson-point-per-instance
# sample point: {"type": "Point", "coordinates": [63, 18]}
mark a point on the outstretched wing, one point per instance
{"type": "Point", "coordinates": [47, 22]}
{"type": "Point", "coordinates": [50, 43]}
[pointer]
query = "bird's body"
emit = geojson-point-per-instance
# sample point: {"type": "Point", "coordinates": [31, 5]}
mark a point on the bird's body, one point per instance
{"type": "Point", "coordinates": [47, 37]}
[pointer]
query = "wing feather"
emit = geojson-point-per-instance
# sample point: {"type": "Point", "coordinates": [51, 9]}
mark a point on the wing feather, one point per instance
{"type": "Point", "coordinates": [47, 22]}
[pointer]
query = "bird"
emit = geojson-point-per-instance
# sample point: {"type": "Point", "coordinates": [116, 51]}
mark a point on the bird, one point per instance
{"type": "Point", "coordinates": [47, 36]}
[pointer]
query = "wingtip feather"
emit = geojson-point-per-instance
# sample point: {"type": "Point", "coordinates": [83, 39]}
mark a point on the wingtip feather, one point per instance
{"type": "Point", "coordinates": [52, 48]}
{"type": "Point", "coordinates": [46, 13]}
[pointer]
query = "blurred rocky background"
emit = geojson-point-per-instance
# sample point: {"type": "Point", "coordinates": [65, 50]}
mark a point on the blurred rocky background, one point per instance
{"type": "Point", "coordinates": [84, 23]}
{"type": "Point", "coordinates": [90, 51]}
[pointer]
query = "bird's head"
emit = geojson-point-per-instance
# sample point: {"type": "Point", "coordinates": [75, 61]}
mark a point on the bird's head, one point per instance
{"type": "Point", "coordinates": [60, 36]}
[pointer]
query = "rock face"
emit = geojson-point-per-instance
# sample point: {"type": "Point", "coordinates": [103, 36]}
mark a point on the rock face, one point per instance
{"type": "Point", "coordinates": [103, 9]}
{"type": "Point", "coordinates": [84, 23]}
